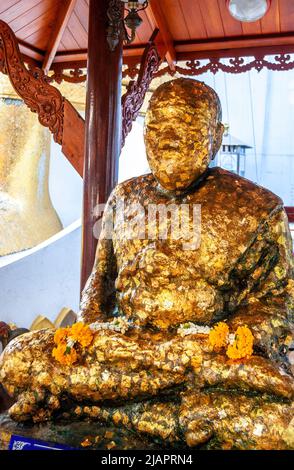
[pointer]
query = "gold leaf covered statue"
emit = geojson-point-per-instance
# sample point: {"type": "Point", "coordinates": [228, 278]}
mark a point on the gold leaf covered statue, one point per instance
{"type": "Point", "coordinates": [185, 328]}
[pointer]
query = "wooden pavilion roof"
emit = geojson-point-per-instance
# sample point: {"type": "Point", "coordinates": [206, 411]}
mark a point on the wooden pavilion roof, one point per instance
{"type": "Point", "coordinates": [56, 31]}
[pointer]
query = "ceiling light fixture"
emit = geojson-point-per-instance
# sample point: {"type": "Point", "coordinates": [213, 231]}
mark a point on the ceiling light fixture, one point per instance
{"type": "Point", "coordinates": [248, 11]}
{"type": "Point", "coordinates": [132, 21]}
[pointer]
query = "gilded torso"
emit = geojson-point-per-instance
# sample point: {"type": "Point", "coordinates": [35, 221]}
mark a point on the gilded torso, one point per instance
{"type": "Point", "coordinates": [166, 282]}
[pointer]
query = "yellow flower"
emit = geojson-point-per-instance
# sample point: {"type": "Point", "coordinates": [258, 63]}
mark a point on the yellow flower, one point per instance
{"type": "Point", "coordinates": [219, 335]}
{"type": "Point", "coordinates": [242, 346]}
{"type": "Point", "coordinates": [68, 341]}
{"type": "Point", "coordinates": [65, 355]}
{"type": "Point", "coordinates": [61, 335]}
{"type": "Point", "coordinates": [81, 333]}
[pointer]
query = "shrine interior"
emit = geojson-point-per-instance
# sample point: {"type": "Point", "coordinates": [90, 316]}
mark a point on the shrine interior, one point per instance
{"type": "Point", "coordinates": [164, 341]}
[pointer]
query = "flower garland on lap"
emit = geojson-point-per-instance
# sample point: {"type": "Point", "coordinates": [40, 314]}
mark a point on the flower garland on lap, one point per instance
{"type": "Point", "coordinates": [71, 342]}
{"type": "Point", "coordinates": [239, 345]}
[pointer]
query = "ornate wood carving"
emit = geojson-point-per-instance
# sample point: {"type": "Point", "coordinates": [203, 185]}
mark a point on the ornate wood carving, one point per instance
{"type": "Point", "coordinates": [31, 84]}
{"type": "Point", "coordinates": [115, 23]}
{"type": "Point", "coordinates": [131, 68]}
{"type": "Point", "coordinates": [279, 62]}
{"type": "Point", "coordinates": [131, 72]}
{"type": "Point", "coordinates": [236, 65]}
{"type": "Point", "coordinates": [133, 99]}
{"type": "Point", "coordinates": [74, 75]}
{"type": "Point", "coordinates": [195, 67]}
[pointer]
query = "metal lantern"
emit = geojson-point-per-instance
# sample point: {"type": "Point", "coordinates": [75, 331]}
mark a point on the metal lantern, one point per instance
{"type": "Point", "coordinates": [133, 20]}
{"type": "Point", "coordinates": [232, 155]}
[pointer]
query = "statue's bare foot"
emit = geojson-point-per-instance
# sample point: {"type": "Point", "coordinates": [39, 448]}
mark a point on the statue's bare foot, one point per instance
{"type": "Point", "coordinates": [237, 421]}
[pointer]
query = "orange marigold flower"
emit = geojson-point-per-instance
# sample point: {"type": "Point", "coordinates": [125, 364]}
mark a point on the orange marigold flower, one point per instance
{"type": "Point", "coordinates": [67, 341]}
{"type": "Point", "coordinates": [81, 333]}
{"type": "Point", "coordinates": [219, 335]}
{"type": "Point", "coordinates": [65, 355]}
{"type": "Point", "coordinates": [61, 335]}
{"type": "Point", "coordinates": [242, 346]}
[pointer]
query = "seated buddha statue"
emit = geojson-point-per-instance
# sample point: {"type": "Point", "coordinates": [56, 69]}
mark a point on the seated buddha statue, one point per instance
{"type": "Point", "coordinates": [185, 331]}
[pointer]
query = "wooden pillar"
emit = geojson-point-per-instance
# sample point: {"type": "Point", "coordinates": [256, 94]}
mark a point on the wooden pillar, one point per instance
{"type": "Point", "coordinates": [103, 116]}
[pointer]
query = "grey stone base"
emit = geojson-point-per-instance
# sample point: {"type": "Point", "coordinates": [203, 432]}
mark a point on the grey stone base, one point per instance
{"type": "Point", "coordinates": [93, 435]}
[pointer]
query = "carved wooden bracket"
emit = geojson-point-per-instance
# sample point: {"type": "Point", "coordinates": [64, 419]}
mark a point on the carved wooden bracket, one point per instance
{"type": "Point", "coordinates": [133, 99]}
{"type": "Point", "coordinates": [73, 75]}
{"type": "Point", "coordinates": [31, 84]}
{"type": "Point", "coordinates": [115, 26]}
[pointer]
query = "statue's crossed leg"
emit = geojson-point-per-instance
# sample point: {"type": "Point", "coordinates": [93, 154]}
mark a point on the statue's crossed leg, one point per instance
{"type": "Point", "coordinates": [120, 367]}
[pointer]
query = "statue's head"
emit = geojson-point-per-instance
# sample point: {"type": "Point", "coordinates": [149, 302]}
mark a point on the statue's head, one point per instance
{"type": "Point", "coordinates": [183, 132]}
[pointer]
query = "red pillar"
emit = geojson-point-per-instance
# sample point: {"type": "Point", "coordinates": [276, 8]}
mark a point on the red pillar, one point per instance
{"type": "Point", "coordinates": [103, 121]}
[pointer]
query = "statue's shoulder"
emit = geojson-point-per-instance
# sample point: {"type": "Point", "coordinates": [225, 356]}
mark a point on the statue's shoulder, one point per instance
{"type": "Point", "coordinates": [133, 185]}
{"type": "Point", "coordinates": [245, 190]}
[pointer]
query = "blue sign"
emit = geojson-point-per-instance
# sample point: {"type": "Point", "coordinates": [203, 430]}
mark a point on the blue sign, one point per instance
{"type": "Point", "coordinates": [27, 443]}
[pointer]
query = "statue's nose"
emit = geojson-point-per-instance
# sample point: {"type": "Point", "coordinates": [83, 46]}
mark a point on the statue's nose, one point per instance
{"type": "Point", "coordinates": [169, 138]}
{"type": "Point", "coordinates": [167, 144]}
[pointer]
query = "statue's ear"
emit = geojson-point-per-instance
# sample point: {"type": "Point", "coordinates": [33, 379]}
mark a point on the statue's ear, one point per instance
{"type": "Point", "coordinates": [220, 128]}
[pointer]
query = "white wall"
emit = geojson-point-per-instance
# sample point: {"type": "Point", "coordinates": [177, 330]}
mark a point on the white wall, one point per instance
{"type": "Point", "coordinates": [47, 278]}
{"type": "Point", "coordinates": [133, 160]}
{"type": "Point", "coordinates": [44, 281]}
{"type": "Point", "coordinates": [65, 186]}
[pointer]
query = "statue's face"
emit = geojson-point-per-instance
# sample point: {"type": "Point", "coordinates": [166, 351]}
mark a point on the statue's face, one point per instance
{"type": "Point", "coordinates": [182, 133]}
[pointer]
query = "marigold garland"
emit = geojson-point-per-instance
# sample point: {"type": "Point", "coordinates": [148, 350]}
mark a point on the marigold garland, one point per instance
{"type": "Point", "coordinates": [65, 355]}
{"type": "Point", "coordinates": [60, 335]}
{"type": "Point", "coordinates": [241, 344]}
{"type": "Point", "coordinates": [71, 342]}
{"type": "Point", "coordinates": [219, 335]}
{"type": "Point", "coordinates": [82, 334]}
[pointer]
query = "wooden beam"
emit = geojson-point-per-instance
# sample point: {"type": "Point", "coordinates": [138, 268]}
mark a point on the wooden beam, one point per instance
{"type": "Point", "coordinates": [236, 42]}
{"type": "Point", "coordinates": [66, 9]}
{"type": "Point", "coordinates": [103, 118]}
{"type": "Point", "coordinates": [186, 50]}
{"type": "Point", "coordinates": [157, 19]}
{"type": "Point", "coordinates": [71, 56]}
{"type": "Point", "coordinates": [135, 51]}
{"type": "Point", "coordinates": [29, 61]}
{"type": "Point", "coordinates": [29, 51]}
{"type": "Point", "coordinates": [60, 66]}
{"type": "Point", "coordinates": [239, 52]}
{"type": "Point", "coordinates": [73, 137]}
